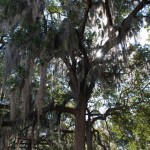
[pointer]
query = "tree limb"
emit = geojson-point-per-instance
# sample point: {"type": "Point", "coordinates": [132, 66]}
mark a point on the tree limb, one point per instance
{"type": "Point", "coordinates": [72, 75]}
{"type": "Point", "coordinates": [82, 28]}
{"type": "Point", "coordinates": [33, 114]}
{"type": "Point", "coordinates": [108, 13]}
{"type": "Point", "coordinates": [122, 30]}
{"type": "Point", "coordinates": [99, 140]}
{"type": "Point", "coordinates": [4, 106]}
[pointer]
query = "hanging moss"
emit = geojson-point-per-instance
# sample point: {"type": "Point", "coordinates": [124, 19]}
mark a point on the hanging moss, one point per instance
{"type": "Point", "coordinates": [14, 103]}
{"type": "Point", "coordinates": [42, 88]}
{"type": "Point", "coordinates": [26, 91]}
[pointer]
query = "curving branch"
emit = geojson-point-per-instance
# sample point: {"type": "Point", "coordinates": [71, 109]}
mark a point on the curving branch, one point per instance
{"type": "Point", "coordinates": [85, 18]}
{"type": "Point", "coordinates": [115, 110]}
{"type": "Point", "coordinates": [108, 13]}
{"type": "Point", "coordinates": [73, 83]}
{"type": "Point", "coordinates": [99, 139]}
{"type": "Point", "coordinates": [119, 33]}
{"type": "Point", "coordinates": [34, 114]}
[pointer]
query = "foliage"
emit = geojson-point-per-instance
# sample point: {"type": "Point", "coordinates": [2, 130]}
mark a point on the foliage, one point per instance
{"type": "Point", "coordinates": [56, 92]}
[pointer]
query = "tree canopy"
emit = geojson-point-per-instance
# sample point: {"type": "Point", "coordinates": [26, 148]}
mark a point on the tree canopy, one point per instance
{"type": "Point", "coordinates": [74, 74]}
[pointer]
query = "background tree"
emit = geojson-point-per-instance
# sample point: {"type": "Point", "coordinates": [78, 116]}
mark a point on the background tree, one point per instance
{"type": "Point", "coordinates": [65, 62]}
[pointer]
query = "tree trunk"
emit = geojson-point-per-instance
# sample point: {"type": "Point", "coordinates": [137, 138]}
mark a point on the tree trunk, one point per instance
{"type": "Point", "coordinates": [89, 136]}
{"type": "Point", "coordinates": [80, 126]}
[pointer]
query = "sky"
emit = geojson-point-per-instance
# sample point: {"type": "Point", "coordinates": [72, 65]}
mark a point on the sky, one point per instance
{"type": "Point", "coordinates": [144, 37]}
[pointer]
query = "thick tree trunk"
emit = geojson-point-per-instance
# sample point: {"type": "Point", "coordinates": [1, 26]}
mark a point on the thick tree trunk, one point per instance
{"type": "Point", "coordinates": [80, 126]}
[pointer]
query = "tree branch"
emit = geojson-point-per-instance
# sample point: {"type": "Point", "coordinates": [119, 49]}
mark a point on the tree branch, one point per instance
{"type": "Point", "coordinates": [112, 111]}
{"type": "Point", "coordinates": [4, 106]}
{"type": "Point", "coordinates": [99, 140]}
{"type": "Point", "coordinates": [120, 32]}
{"type": "Point", "coordinates": [33, 114]}
{"type": "Point", "coordinates": [108, 12]}
{"type": "Point", "coordinates": [72, 75]}
{"type": "Point", "coordinates": [82, 28]}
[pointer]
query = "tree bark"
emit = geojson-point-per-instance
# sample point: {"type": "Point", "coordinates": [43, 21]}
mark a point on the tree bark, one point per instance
{"type": "Point", "coordinates": [89, 136]}
{"type": "Point", "coordinates": [80, 126]}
